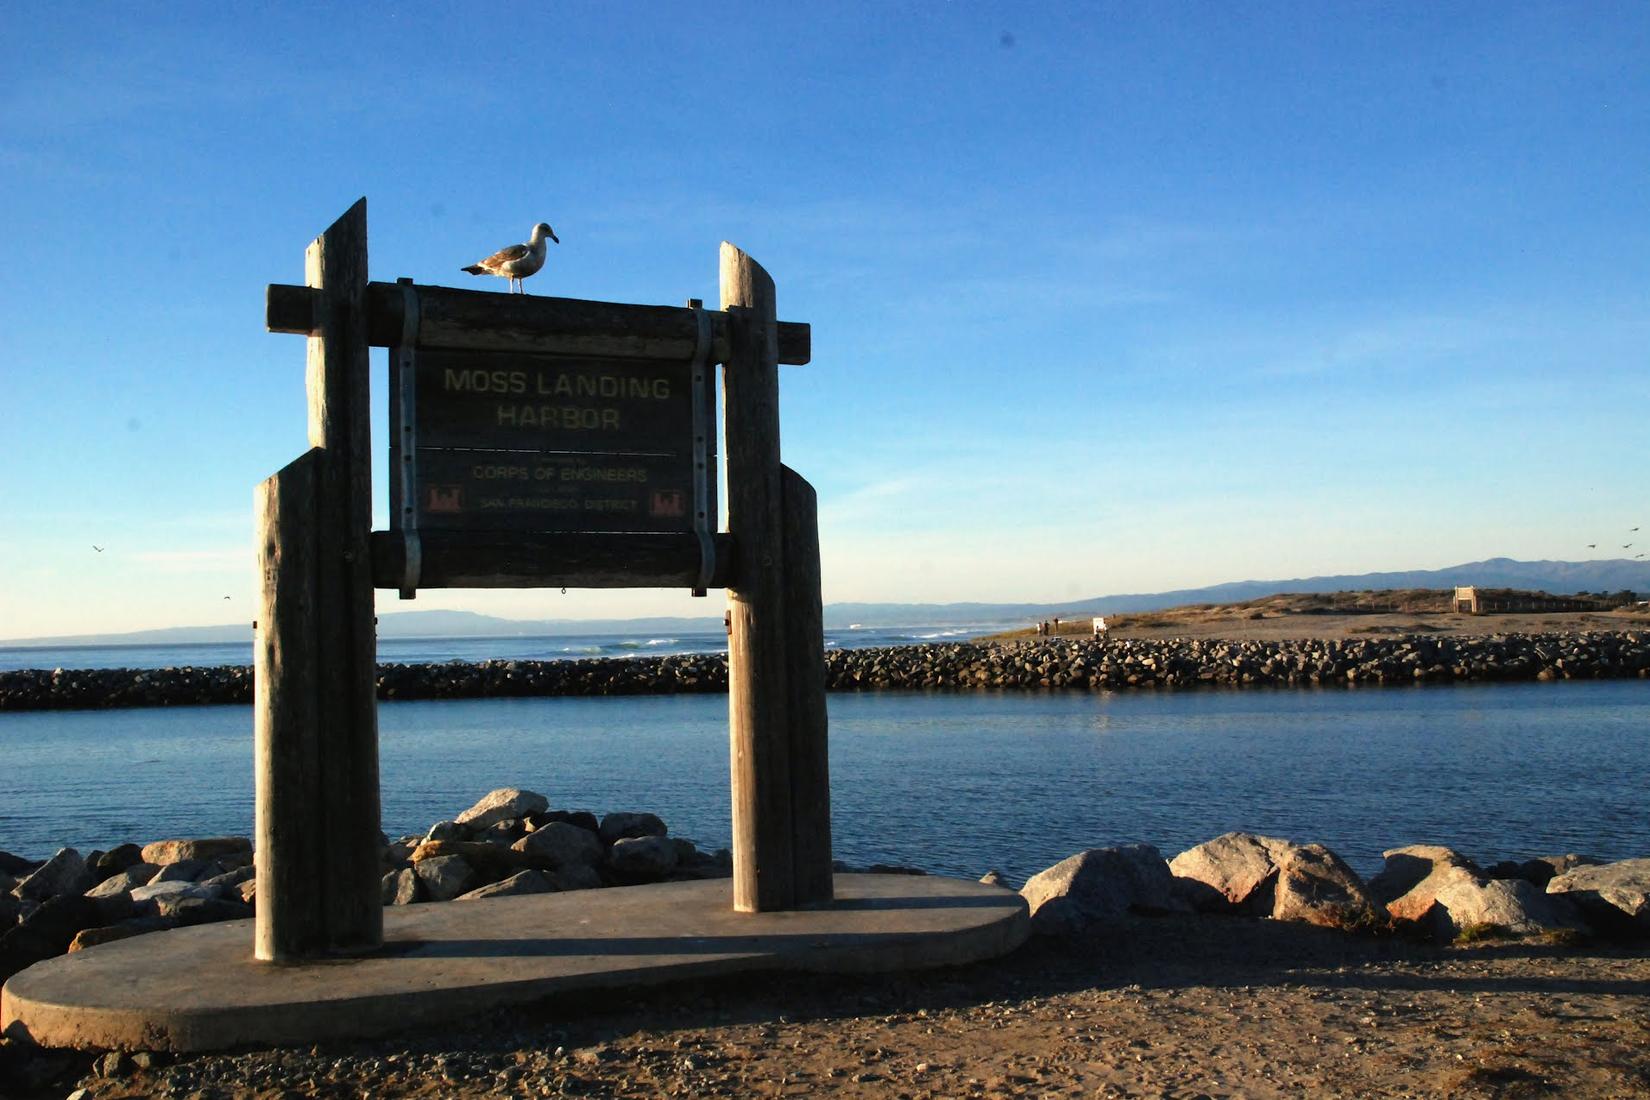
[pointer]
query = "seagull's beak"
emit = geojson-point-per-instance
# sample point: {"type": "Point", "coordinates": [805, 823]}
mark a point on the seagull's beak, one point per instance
{"type": "Point", "coordinates": [554, 237]}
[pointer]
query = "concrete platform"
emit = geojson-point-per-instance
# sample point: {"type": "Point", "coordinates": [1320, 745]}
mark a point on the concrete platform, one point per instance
{"type": "Point", "coordinates": [200, 989]}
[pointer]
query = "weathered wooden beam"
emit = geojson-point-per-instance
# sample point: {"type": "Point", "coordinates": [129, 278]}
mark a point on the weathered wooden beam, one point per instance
{"type": "Point", "coordinates": [805, 685]}
{"type": "Point", "coordinates": [344, 801]}
{"type": "Point", "coordinates": [759, 738]}
{"type": "Point", "coordinates": [484, 320]}
{"type": "Point", "coordinates": [454, 559]}
{"type": "Point", "coordinates": [287, 753]}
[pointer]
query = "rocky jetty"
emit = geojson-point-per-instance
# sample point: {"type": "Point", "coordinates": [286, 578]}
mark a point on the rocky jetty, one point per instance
{"type": "Point", "coordinates": [1424, 891]}
{"type": "Point", "coordinates": [1079, 664]}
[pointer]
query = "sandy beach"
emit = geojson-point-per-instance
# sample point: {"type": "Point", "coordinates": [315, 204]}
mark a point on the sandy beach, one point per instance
{"type": "Point", "coordinates": [1173, 1007]}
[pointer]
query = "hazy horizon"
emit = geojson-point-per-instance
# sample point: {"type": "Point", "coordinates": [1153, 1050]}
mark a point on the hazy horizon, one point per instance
{"type": "Point", "coordinates": [1594, 576]}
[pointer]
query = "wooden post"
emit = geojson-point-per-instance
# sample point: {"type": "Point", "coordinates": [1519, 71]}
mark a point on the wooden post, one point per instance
{"type": "Point", "coordinates": [285, 720]}
{"type": "Point", "coordinates": [759, 739]}
{"type": "Point", "coordinates": [805, 682]}
{"type": "Point", "coordinates": [327, 817]}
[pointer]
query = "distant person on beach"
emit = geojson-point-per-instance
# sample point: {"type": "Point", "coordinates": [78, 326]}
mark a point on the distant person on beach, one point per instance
{"type": "Point", "coordinates": [1099, 627]}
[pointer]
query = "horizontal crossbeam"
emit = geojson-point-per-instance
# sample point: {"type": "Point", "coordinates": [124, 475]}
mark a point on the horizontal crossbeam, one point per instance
{"type": "Point", "coordinates": [455, 559]}
{"type": "Point", "coordinates": [527, 323]}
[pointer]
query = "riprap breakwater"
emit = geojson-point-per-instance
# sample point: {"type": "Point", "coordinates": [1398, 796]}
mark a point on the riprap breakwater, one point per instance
{"type": "Point", "coordinates": [1068, 664]}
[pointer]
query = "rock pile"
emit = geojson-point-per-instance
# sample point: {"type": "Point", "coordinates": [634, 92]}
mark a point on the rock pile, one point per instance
{"type": "Point", "coordinates": [1180, 662]}
{"type": "Point", "coordinates": [510, 842]}
{"type": "Point", "coordinates": [1424, 890]}
{"type": "Point", "coordinates": [1065, 663]}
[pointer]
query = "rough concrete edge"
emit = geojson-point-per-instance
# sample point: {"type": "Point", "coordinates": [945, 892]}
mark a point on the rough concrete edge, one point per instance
{"type": "Point", "coordinates": [379, 1015]}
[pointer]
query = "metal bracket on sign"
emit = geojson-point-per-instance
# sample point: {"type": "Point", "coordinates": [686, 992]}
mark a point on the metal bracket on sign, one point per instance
{"type": "Point", "coordinates": [702, 428]}
{"type": "Point", "coordinates": [407, 389]}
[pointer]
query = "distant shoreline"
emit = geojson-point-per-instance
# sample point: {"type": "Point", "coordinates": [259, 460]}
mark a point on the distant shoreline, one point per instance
{"type": "Point", "coordinates": [1069, 663]}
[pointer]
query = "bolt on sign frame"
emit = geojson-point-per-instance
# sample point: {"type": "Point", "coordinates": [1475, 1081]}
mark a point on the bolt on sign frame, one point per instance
{"type": "Point", "coordinates": [536, 442]}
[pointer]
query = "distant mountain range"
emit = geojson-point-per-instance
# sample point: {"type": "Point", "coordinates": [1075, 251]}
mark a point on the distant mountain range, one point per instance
{"type": "Point", "coordinates": [1556, 577]}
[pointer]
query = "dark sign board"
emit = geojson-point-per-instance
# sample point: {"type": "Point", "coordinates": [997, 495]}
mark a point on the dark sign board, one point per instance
{"type": "Point", "coordinates": [496, 441]}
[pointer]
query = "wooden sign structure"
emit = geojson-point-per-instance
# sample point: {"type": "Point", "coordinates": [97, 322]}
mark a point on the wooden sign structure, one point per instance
{"type": "Point", "coordinates": [537, 442]}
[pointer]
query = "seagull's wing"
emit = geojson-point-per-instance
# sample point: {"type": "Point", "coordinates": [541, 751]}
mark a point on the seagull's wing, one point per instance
{"type": "Point", "coordinates": [506, 255]}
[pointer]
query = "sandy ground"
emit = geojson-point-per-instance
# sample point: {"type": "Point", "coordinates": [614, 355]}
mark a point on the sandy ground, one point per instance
{"type": "Point", "coordinates": [1181, 623]}
{"type": "Point", "coordinates": [1175, 1007]}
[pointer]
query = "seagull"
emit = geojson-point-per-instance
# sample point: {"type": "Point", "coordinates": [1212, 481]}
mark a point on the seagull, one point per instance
{"type": "Point", "coordinates": [1592, 546]}
{"type": "Point", "coordinates": [518, 261]}
{"type": "Point", "coordinates": [98, 548]}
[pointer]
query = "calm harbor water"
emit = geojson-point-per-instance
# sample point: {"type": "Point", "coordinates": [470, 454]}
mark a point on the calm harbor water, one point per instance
{"type": "Point", "coordinates": [956, 783]}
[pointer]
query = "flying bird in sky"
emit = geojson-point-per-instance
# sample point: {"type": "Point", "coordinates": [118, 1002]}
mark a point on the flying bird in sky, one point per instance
{"type": "Point", "coordinates": [98, 548]}
{"type": "Point", "coordinates": [519, 260]}
{"type": "Point", "coordinates": [1592, 546]}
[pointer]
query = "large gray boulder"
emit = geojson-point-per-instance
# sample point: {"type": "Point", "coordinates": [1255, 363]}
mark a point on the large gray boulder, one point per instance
{"type": "Point", "coordinates": [446, 877]}
{"type": "Point", "coordinates": [578, 877]}
{"type": "Point", "coordinates": [559, 845]}
{"type": "Point", "coordinates": [502, 805]}
{"type": "Point", "coordinates": [138, 874]}
{"type": "Point", "coordinates": [229, 880]}
{"type": "Point", "coordinates": [525, 882]}
{"type": "Point", "coordinates": [490, 862]}
{"type": "Point", "coordinates": [1267, 876]}
{"type": "Point", "coordinates": [622, 826]}
{"type": "Point", "coordinates": [1315, 886]}
{"type": "Point", "coordinates": [399, 887]}
{"type": "Point", "coordinates": [164, 852]}
{"type": "Point", "coordinates": [117, 859]}
{"type": "Point", "coordinates": [121, 930]}
{"type": "Point", "coordinates": [185, 870]}
{"type": "Point", "coordinates": [1232, 871]}
{"type": "Point", "coordinates": [1507, 905]}
{"type": "Point", "coordinates": [1543, 869]}
{"type": "Point", "coordinates": [151, 899]}
{"type": "Point", "coordinates": [1099, 886]}
{"type": "Point", "coordinates": [1615, 897]}
{"type": "Point", "coordinates": [64, 873]}
{"type": "Point", "coordinates": [189, 911]}
{"type": "Point", "coordinates": [1409, 882]}
{"type": "Point", "coordinates": [643, 857]}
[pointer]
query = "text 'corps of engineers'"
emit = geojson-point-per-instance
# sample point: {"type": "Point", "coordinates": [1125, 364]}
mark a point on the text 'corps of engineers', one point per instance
{"type": "Point", "coordinates": [506, 442]}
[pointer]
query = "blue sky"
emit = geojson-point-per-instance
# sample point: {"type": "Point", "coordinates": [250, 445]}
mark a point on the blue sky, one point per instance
{"type": "Point", "coordinates": [1104, 297]}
